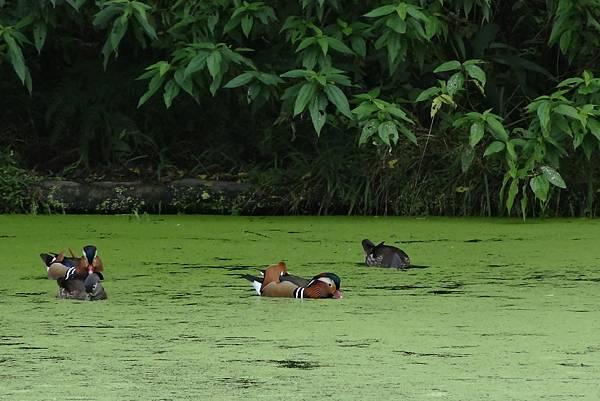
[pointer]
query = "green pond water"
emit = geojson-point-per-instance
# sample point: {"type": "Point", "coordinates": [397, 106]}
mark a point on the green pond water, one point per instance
{"type": "Point", "coordinates": [497, 310]}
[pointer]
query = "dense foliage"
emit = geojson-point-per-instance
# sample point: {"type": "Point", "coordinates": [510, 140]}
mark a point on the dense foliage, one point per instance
{"type": "Point", "coordinates": [416, 106]}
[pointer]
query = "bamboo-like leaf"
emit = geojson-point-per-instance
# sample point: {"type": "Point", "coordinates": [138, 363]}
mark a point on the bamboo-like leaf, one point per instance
{"type": "Point", "coordinates": [338, 45]}
{"type": "Point", "coordinates": [196, 64]}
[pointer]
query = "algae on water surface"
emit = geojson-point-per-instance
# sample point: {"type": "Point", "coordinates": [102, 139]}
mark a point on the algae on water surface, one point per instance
{"type": "Point", "coordinates": [499, 310]}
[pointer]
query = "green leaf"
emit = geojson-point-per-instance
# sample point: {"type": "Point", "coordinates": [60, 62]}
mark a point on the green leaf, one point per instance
{"type": "Point", "coordinates": [381, 11]}
{"type": "Point", "coordinates": [40, 31]}
{"type": "Point", "coordinates": [543, 113]}
{"type": "Point", "coordinates": [240, 80]}
{"type": "Point", "coordinates": [118, 31]}
{"type": "Point", "coordinates": [494, 147]}
{"type": "Point", "coordinates": [397, 24]}
{"type": "Point", "coordinates": [476, 133]}
{"type": "Point", "coordinates": [247, 22]}
{"type": "Point", "coordinates": [317, 112]}
{"type": "Point", "coordinates": [408, 134]}
{"type": "Point", "coordinates": [512, 193]}
{"type": "Point", "coordinates": [141, 17]}
{"type": "Point", "coordinates": [567, 110]}
{"type": "Point", "coordinates": [305, 95]}
{"type": "Point", "coordinates": [466, 159]}
{"type": "Point", "coordinates": [553, 177]}
{"type": "Point", "coordinates": [337, 97]}
{"type": "Point", "coordinates": [213, 62]}
{"type": "Point", "coordinates": [153, 86]}
{"type": "Point", "coordinates": [338, 45]}
{"type": "Point", "coordinates": [16, 57]}
{"type": "Point", "coordinates": [387, 130]}
{"type": "Point", "coordinates": [476, 73]}
{"type": "Point", "coordinates": [105, 15]}
{"type": "Point", "coordinates": [295, 74]}
{"type": "Point", "coordinates": [496, 128]}
{"type": "Point", "coordinates": [184, 82]}
{"type": "Point", "coordinates": [427, 93]}
{"type": "Point", "coordinates": [368, 130]}
{"type": "Point", "coordinates": [594, 126]}
{"type": "Point", "coordinates": [359, 46]}
{"type": "Point", "coordinates": [455, 83]}
{"type": "Point", "coordinates": [196, 64]}
{"type": "Point", "coordinates": [171, 92]}
{"type": "Point", "coordinates": [448, 66]}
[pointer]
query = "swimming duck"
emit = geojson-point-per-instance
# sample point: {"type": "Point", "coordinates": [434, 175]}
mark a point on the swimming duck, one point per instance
{"type": "Point", "coordinates": [77, 278]}
{"type": "Point", "coordinates": [384, 255]}
{"type": "Point", "coordinates": [277, 282]}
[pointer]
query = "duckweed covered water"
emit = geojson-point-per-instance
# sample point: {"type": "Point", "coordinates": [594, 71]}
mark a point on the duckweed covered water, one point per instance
{"type": "Point", "coordinates": [498, 310]}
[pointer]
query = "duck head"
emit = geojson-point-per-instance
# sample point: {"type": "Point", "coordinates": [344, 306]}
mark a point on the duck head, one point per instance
{"type": "Point", "coordinates": [91, 259]}
{"type": "Point", "coordinates": [324, 285]}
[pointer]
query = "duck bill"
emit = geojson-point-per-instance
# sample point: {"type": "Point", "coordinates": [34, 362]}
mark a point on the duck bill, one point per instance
{"type": "Point", "coordinates": [338, 294]}
{"type": "Point", "coordinates": [90, 269]}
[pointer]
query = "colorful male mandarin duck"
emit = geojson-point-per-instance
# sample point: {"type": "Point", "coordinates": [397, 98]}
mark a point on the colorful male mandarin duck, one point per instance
{"type": "Point", "coordinates": [384, 255]}
{"type": "Point", "coordinates": [278, 283]}
{"type": "Point", "coordinates": [77, 278]}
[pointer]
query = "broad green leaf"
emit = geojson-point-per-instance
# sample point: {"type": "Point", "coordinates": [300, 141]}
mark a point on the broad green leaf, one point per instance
{"type": "Point", "coordinates": [171, 92]}
{"type": "Point", "coordinates": [185, 82]}
{"type": "Point", "coordinates": [476, 133]}
{"type": "Point", "coordinates": [364, 110]}
{"type": "Point", "coordinates": [387, 131]}
{"type": "Point", "coordinates": [397, 24]}
{"type": "Point", "coordinates": [553, 177]}
{"type": "Point", "coordinates": [16, 57]}
{"type": "Point", "coordinates": [570, 82]}
{"type": "Point", "coordinates": [104, 16]}
{"type": "Point", "coordinates": [240, 80]}
{"type": "Point", "coordinates": [594, 126]}
{"type": "Point", "coordinates": [466, 159]}
{"type": "Point", "coordinates": [543, 113]}
{"type": "Point", "coordinates": [476, 73]}
{"type": "Point", "coordinates": [494, 147]}
{"type": "Point", "coordinates": [381, 11]}
{"type": "Point", "coordinates": [496, 128]}
{"type": "Point", "coordinates": [359, 46]}
{"type": "Point", "coordinates": [398, 113]}
{"type": "Point", "coordinates": [427, 93]}
{"type": "Point", "coordinates": [306, 43]}
{"type": "Point", "coordinates": [455, 83]}
{"type": "Point", "coordinates": [196, 64]}
{"type": "Point", "coordinates": [213, 62]}
{"type": "Point", "coordinates": [153, 86]}
{"type": "Point", "coordinates": [408, 133]}
{"type": "Point", "coordinates": [448, 66]}
{"type": "Point", "coordinates": [247, 22]}
{"type": "Point", "coordinates": [368, 130]}
{"type": "Point", "coordinates": [322, 42]}
{"type": "Point", "coordinates": [40, 31]}
{"type": "Point", "coordinates": [317, 112]}
{"type": "Point", "coordinates": [338, 45]}
{"type": "Point", "coordinates": [337, 97]}
{"type": "Point", "coordinates": [118, 31]}
{"type": "Point", "coordinates": [305, 95]}
{"type": "Point", "coordinates": [512, 193]}
{"type": "Point", "coordinates": [568, 111]}
{"type": "Point", "coordinates": [296, 74]}
{"type": "Point", "coordinates": [141, 17]}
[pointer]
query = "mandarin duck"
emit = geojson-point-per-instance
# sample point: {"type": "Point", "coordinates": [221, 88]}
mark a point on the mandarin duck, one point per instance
{"type": "Point", "coordinates": [384, 255]}
{"type": "Point", "coordinates": [77, 278]}
{"type": "Point", "coordinates": [277, 282]}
